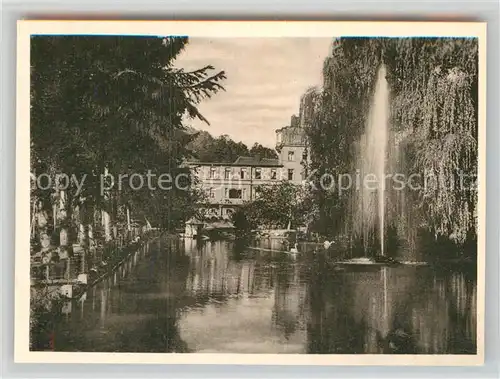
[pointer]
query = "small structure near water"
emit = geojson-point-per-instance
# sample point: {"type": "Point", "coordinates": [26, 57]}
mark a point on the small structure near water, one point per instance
{"type": "Point", "coordinates": [193, 228]}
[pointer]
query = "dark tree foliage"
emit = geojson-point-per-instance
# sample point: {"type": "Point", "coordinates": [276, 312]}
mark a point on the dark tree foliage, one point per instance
{"type": "Point", "coordinates": [117, 104]}
{"type": "Point", "coordinates": [277, 206]}
{"type": "Point", "coordinates": [258, 150]}
{"type": "Point", "coordinates": [206, 148]}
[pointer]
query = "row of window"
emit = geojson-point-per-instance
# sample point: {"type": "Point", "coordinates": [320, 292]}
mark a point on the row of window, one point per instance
{"type": "Point", "coordinates": [215, 212]}
{"type": "Point", "coordinates": [231, 193]}
{"type": "Point", "coordinates": [243, 173]}
{"type": "Point", "coordinates": [234, 193]}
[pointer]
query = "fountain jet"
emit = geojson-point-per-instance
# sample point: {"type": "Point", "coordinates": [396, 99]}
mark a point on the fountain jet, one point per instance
{"type": "Point", "coordinates": [371, 199]}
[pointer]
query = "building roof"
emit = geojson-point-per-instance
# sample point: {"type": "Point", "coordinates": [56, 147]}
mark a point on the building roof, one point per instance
{"type": "Point", "coordinates": [222, 224]}
{"type": "Point", "coordinates": [256, 161]}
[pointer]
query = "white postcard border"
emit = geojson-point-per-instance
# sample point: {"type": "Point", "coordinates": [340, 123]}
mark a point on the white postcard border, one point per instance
{"type": "Point", "coordinates": [226, 29]}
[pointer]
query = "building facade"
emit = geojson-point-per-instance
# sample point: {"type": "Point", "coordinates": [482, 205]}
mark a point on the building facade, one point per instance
{"type": "Point", "coordinates": [229, 185]}
{"type": "Point", "coordinates": [291, 146]}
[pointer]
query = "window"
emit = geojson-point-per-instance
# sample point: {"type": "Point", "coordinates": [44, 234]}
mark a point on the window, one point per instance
{"type": "Point", "coordinates": [227, 173]}
{"type": "Point", "coordinates": [244, 194]}
{"type": "Point", "coordinates": [273, 173]}
{"type": "Point", "coordinates": [258, 173]}
{"type": "Point", "coordinates": [290, 174]}
{"type": "Point", "coordinates": [291, 156]}
{"type": "Point", "coordinates": [212, 172]}
{"type": "Point", "coordinates": [226, 193]}
{"type": "Point", "coordinates": [257, 192]}
{"type": "Point", "coordinates": [243, 173]}
{"type": "Point", "coordinates": [235, 193]}
{"type": "Point", "coordinates": [212, 193]}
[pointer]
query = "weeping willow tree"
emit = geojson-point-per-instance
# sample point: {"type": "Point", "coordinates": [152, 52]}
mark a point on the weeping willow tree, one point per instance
{"type": "Point", "coordinates": [434, 128]}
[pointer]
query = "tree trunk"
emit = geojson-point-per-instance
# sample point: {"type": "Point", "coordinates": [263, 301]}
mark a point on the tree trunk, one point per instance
{"type": "Point", "coordinates": [106, 223]}
{"type": "Point", "coordinates": [106, 218]}
{"type": "Point", "coordinates": [128, 219]}
{"type": "Point", "coordinates": [289, 220]}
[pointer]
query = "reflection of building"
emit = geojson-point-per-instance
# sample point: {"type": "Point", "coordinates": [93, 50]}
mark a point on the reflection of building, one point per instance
{"type": "Point", "coordinates": [237, 288]}
{"type": "Point", "coordinates": [229, 184]}
{"type": "Point", "coordinates": [214, 273]}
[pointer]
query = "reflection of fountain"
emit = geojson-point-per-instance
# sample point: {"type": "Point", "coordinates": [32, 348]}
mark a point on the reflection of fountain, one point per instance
{"type": "Point", "coordinates": [370, 202]}
{"type": "Point", "coordinates": [374, 304]}
{"type": "Point", "coordinates": [398, 310]}
{"type": "Point", "coordinates": [385, 327]}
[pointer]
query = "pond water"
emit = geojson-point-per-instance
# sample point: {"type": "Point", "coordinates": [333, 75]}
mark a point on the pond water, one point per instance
{"type": "Point", "coordinates": [185, 296]}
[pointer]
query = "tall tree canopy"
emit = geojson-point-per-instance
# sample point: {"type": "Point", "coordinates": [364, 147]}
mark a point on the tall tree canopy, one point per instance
{"type": "Point", "coordinates": [113, 103]}
{"type": "Point", "coordinates": [280, 205]}
{"type": "Point", "coordinates": [206, 148]}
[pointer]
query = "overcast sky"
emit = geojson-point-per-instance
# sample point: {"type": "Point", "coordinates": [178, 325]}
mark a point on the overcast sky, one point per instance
{"type": "Point", "coordinates": [265, 79]}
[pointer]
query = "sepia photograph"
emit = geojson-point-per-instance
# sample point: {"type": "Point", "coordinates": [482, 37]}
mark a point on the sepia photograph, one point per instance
{"type": "Point", "coordinates": [310, 195]}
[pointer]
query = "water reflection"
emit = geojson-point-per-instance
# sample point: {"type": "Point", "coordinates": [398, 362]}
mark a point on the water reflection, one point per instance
{"type": "Point", "coordinates": [184, 296]}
